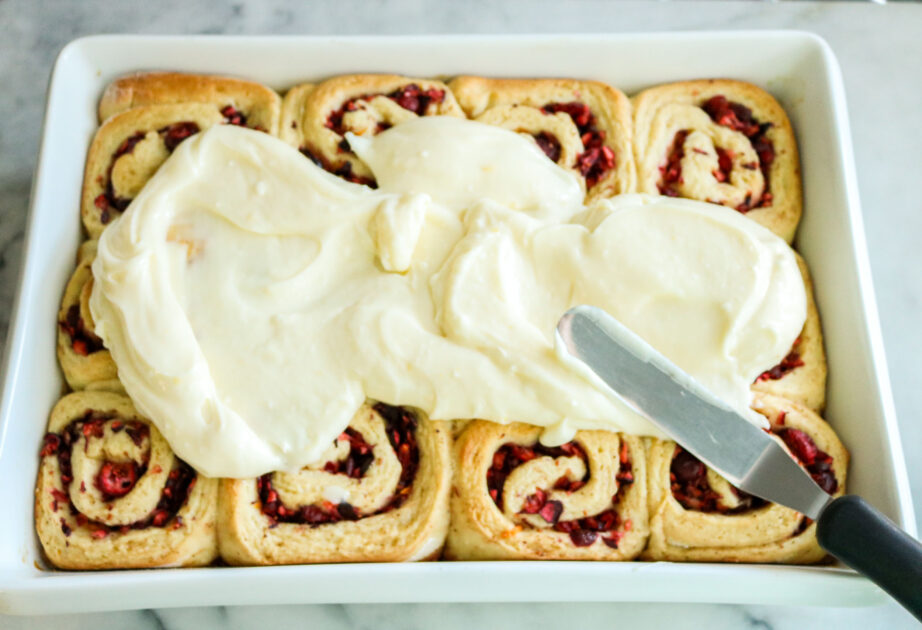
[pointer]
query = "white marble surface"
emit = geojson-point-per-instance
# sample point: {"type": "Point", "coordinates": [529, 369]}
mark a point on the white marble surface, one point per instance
{"type": "Point", "coordinates": [879, 49]}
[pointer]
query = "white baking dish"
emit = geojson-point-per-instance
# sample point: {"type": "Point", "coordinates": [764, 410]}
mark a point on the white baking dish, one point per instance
{"type": "Point", "coordinates": [798, 68]}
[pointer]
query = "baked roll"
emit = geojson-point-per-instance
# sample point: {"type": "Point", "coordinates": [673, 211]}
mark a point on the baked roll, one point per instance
{"type": "Point", "coordinates": [584, 126]}
{"type": "Point", "coordinates": [380, 494]}
{"type": "Point", "coordinates": [801, 375]}
{"type": "Point", "coordinates": [696, 515]}
{"type": "Point", "coordinates": [515, 499]}
{"type": "Point", "coordinates": [315, 118]}
{"type": "Point", "coordinates": [128, 149]}
{"type": "Point", "coordinates": [112, 495]}
{"type": "Point", "coordinates": [244, 103]}
{"type": "Point", "coordinates": [84, 360]}
{"type": "Point", "coordinates": [721, 141]}
{"type": "Point", "coordinates": [144, 118]}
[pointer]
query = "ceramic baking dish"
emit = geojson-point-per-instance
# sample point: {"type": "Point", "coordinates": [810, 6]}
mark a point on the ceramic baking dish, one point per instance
{"type": "Point", "coordinates": [798, 68]}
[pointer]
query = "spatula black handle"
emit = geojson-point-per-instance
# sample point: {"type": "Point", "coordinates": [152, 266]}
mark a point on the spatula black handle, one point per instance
{"type": "Point", "coordinates": [867, 541]}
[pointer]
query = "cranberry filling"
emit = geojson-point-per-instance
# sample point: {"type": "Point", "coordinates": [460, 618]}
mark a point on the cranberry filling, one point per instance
{"type": "Point", "coordinates": [597, 158]}
{"type": "Point", "coordinates": [344, 169]}
{"type": "Point", "coordinates": [788, 364]}
{"type": "Point", "coordinates": [172, 135]}
{"type": "Point", "coordinates": [116, 479]}
{"type": "Point", "coordinates": [232, 116]}
{"type": "Point", "coordinates": [410, 97]}
{"type": "Point", "coordinates": [689, 485]}
{"type": "Point", "coordinates": [401, 433]}
{"type": "Point", "coordinates": [177, 132]}
{"type": "Point", "coordinates": [357, 461]}
{"type": "Point", "coordinates": [818, 463]}
{"type": "Point", "coordinates": [583, 532]}
{"type": "Point", "coordinates": [549, 144]}
{"type": "Point", "coordinates": [724, 164]}
{"type": "Point", "coordinates": [729, 114]}
{"type": "Point", "coordinates": [415, 99]}
{"type": "Point", "coordinates": [82, 340]}
{"type": "Point", "coordinates": [672, 172]}
{"type": "Point", "coordinates": [739, 118]}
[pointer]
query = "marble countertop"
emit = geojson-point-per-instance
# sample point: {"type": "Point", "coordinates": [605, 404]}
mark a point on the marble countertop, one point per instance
{"type": "Point", "coordinates": [878, 47]}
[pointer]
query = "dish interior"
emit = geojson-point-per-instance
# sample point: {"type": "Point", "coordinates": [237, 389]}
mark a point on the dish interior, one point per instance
{"type": "Point", "coordinates": [797, 68]}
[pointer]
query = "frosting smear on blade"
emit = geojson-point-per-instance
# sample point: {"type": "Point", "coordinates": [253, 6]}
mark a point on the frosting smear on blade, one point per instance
{"type": "Point", "coordinates": [252, 302]}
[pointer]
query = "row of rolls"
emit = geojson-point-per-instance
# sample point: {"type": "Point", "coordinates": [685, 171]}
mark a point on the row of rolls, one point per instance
{"type": "Point", "coordinates": [723, 141]}
{"type": "Point", "coordinates": [396, 486]}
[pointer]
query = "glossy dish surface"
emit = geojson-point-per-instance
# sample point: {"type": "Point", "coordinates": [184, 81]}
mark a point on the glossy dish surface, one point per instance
{"type": "Point", "coordinates": [796, 68]}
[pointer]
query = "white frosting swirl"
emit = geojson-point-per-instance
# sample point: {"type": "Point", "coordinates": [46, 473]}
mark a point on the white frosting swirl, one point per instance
{"type": "Point", "coordinates": [252, 302]}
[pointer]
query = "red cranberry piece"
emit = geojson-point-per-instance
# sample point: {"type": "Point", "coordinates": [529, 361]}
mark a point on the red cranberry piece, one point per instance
{"type": "Point", "coordinates": [347, 512]}
{"type": "Point", "coordinates": [583, 537]}
{"type": "Point", "coordinates": [803, 447]}
{"type": "Point", "coordinates": [551, 511]}
{"type": "Point", "coordinates": [232, 116]}
{"type": "Point", "coordinates": [579, 112]}
{"type": "Point", "coordinates": [732, 115]}
{"type": "Point", "coordinates": [92, 428]}
{"type": "Point", "coordinates": [724, 163]}
{"type": "Point", "coordinates": [549, 144]}
{"type": "Point", "coordinates": [613, 540]}
{"type": "Point", "coordinates": [51, 444]}
{"type": "Point", "coordinates": [687, 468]}
{"type": "Point", "coordinates": [117, 479]}
{"type": "Point", "coordinates": [534, 502]}
{"type": "Point", "coordinates": [826, 480]}
{"type": "Point", "coordinates": [522, 453]}
{"type": "Point", "coordinates": [159, 518]}
{"type": "Point", "coordinates": [312, 514]}
{"type": "Point", "coordinates": [177, 132]}
{"type": "Point", "coordinates": [765, 150]}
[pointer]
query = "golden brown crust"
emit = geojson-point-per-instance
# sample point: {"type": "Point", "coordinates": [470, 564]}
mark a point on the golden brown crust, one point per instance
{"type": "Point", "coordinates": [306, 120]}
{"type": "Point", "coordinates": [517, 104]}
{"type": "Point", "coordinates": [80, 528]}
{"type": "Point", "coordinates": [414, 530]}
{"type": "Point", "coordinates": [83, 360]}
{"type": "Point", "coordinates": [770, 533]}
{"type": "Point", "coordinates": [481, 530]}
{"type": "Point", "coordinates": [661, 112]}
{"type": "Point", "coordinates": [259, 104]}
{"type": "Point", "coordinates": [805, 384]}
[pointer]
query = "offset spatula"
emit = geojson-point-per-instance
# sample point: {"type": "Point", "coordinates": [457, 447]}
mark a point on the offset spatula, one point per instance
{"type": "Point", "coordinates": [847, 527]}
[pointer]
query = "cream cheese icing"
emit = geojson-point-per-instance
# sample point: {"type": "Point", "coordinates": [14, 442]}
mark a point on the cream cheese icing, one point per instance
{"type": "Point", "coordinates": [252, 302]}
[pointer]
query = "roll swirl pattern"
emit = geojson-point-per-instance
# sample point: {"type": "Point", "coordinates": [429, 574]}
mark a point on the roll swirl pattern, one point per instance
{"type": "Point", "coordinates": [145, 117]}
{"type": "Point", "coordinates": [697, 516]}
{"type": "Point", "coordinates": [111, 493]}
{"type": "Point", "coordinates": [721, 141]}
{"type": "Point", "coordinates": [83, 358]}
{"type": "Point", "coordinates": [316, 117]}
{"type": "Point", "coordinates": [583, 126]}
{"type": "Point", "coordinates": [379, 494]}
{"type": "Point", "coordinates": [516, 499]}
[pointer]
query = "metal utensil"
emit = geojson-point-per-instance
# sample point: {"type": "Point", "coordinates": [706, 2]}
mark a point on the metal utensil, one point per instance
{"type": "Point", "coordinates": [847, 527]}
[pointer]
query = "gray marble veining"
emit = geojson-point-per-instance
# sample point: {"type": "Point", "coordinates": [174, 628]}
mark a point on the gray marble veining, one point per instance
{"type": "Point", "coordinates": [879, 49]}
